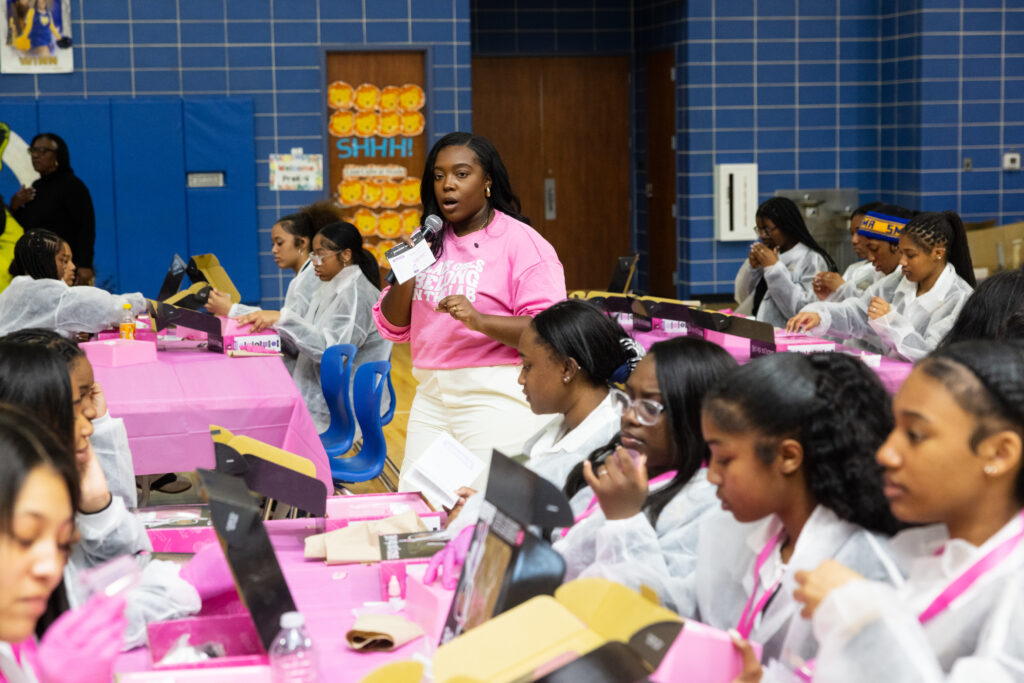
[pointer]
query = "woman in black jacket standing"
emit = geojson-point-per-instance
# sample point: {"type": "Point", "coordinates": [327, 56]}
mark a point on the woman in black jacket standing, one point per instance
{"type": "Point", "coordinates": [59, 201]}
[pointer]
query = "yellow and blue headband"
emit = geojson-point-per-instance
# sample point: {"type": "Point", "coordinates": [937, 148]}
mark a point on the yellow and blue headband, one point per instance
{"type": "Point", "coordinates": [878, 226]}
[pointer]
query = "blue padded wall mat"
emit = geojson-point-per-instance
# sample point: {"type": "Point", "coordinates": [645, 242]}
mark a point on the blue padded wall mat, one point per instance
{"type": "Point", "coordinates": [149, 175]}
{"type": "Point", "coordinates": [85, 126]}
{"type": "Point", "coordinates": [219, 136]}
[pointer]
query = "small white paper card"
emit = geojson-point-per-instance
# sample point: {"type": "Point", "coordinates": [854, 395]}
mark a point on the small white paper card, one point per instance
{"type": "Point", "coordinates": [406, 262]}
{"type": "Point", "coordinates": [444, 466]}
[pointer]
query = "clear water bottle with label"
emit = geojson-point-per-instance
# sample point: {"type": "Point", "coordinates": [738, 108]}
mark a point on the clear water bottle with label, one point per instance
{"type": "Point", "coordinates": [127, 322]}
{"type": "Point", "coordinates": [292, 657]}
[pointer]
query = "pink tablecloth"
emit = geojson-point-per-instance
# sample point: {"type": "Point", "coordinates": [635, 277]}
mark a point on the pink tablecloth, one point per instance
{"type": "Point", "coordinates": [169, 405]}
{"type": "Point", "coordinates": [891, 372]}
{"type": "Point", "coordinates": [326, 596]}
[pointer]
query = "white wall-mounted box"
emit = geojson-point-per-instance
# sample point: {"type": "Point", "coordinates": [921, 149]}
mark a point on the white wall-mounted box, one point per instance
{"type": "Point", "coordinates": [735, 202]}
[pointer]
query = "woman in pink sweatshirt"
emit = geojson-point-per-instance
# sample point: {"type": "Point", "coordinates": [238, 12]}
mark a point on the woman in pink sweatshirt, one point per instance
{"type": "Point", "coordinates": [464, 315]}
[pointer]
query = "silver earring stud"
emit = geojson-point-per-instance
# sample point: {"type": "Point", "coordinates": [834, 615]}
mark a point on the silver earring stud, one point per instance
{"type": "Point", "coordinates": [991, 470]}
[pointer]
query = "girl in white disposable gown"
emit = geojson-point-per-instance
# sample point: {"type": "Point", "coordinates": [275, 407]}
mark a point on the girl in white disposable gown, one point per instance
{"type": "Point", "coordinates": [953, 462]}
{"type": "Point", "coordinates": [859, 275]}
{"type": "Point", "coordinates": [571, 352]}
{"type": "Point", "coordinates": [792, 441]}
{"type": "Point", "coordinates": [638, 500]}
{"type": "Point", "coordinates": [39, 379]}
{"type": "Point", "coordinates": [340, 312]}
{"type": "Point", "coordinates": [39, 297]}
{"type": "Point", "coordinates": [909, 315]}
{"type": "Point", "coordinates": [777, 278]}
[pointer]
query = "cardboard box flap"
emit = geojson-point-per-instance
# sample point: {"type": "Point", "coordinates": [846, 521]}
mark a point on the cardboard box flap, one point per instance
{"type": "Point", "coordinates": [254, 566]}
{"type": "Point", "coordinates": [206, 267]}
{"type": "Point", "coordinates": [525, 496]}
{"type": "Point", "coordinates": [612, 610]}
{"type": "Point", "coordinates": [547, 633]}
{"type": "Point", "coordinates": [270, 471]}
{"type": "Point", "coordinates": [516, 643]}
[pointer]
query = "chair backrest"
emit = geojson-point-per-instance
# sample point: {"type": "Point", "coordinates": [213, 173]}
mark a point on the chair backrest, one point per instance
{"type": "Point", "coordinates": [367, 392]}
{"type": "Point", "coordinates": [335, 379]}
{"type": "Point", "coordinates": [392, 402]}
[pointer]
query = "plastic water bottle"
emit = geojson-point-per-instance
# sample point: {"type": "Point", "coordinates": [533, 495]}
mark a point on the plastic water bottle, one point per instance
{"type": "Point", "coordinates": [127, 322]}
{"type": "Point", "coordinates": [292, 657]}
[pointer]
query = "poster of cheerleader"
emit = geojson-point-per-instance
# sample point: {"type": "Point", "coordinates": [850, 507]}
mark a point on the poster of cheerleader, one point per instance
{"type": "Point", "coordinates": [37, 37]}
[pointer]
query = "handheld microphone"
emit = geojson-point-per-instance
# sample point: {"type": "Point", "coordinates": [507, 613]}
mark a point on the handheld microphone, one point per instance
{"type": "Point", "coordinates": [432, 225]}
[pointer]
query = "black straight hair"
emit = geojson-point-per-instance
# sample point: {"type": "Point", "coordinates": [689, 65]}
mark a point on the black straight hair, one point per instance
{"type": "Point", "coordinates": [578, 329]}
{"type": "Point", "coordinates": [342, 235]}
{"type": "Point", "coordinates": [26, 444]}
{"type": "Point", "coordinates": [502, 197]}
{"type": "Point", "coordinates": [993, 393]}
{"type": "Point", "coordinates": [863, 209]}
{"type": "Point", "coordinates": [786, 216]}
{"type": "Point", "coordinates": [686, 368]}
{"type": "Point", "coordinates": [838, 411]}
{"type": "Point", "coordinates": [63, 155]}
{"type": "Point", "coordinates": [300, 227]}
{"type": "Point", "coordinates": [995, 310]}
{"type": "Point", "coordinates": [943, 229]}
{"type": "Point", "coordinates": [35, 255]}
{"type": "Point", "coordinates": [37, 380]}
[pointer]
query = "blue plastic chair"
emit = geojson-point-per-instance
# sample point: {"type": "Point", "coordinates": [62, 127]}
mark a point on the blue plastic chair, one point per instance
{"type": "Point", "coordinates": [386, 417]}
{"type": "Point", "coordinates": [368, 390]}
{"type": "Point", "coordinates": [335, 375]}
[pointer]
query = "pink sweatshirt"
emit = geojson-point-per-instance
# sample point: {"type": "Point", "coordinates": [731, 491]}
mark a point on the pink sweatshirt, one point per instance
{"type": "Point", "coordinates": [505, 269]}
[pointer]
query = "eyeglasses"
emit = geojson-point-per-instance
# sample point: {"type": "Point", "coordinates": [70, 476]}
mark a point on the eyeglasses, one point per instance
{"type": "Point", "coordinates": [647, 410]}
{"type": "Point", "coordinates": [764, 232]}
{"type": "Point", "coordinates": [40, 150]}
{"type": "Point", "coordinates": [319, 257]}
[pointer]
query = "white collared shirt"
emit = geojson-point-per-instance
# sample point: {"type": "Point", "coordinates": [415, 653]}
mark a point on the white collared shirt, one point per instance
{"type": "Point", "coordinates": [553, 455]}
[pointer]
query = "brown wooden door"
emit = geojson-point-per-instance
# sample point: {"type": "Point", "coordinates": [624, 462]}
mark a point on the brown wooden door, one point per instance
{"type": "Point", "coordinates": [661, 173]}
{"type": "Point", "coordinates": [564, 121]}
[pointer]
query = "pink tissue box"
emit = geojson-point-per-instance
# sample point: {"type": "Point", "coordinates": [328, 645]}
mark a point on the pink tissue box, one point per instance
{"type": "Point", "coordinates": [427, 605]}
{"type": "Point", "coordinates": [228, 674]}
{"type": "Point", "coordinates": [115, 353]}
{"type": "Point", "coordinates": [701, 653]}
{"type": "Point", "coordinates": [235, 632]}
{"type": "Point", "coordinates": [242, 338]}
{"type": "Point", "coordinates": [376, 505]}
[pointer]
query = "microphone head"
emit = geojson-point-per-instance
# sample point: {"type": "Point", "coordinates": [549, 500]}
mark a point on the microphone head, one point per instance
{"type": "Point", "coordinates": [432, 224]}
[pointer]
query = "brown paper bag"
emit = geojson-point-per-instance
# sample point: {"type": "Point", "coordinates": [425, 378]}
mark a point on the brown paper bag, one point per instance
{"type": "Point", "coordinates": [358, 542]}
{"type": "Point", "coordinates": [381, 632]}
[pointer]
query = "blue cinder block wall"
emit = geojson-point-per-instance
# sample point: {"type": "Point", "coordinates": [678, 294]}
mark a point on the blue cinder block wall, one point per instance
{"type": "Point", "coordinates": [888, 96]}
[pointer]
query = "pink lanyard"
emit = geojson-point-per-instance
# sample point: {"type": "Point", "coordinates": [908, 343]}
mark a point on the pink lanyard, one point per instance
{"type": "Point", "coordinates": [750, 611]}
{"type": "Point", "coordinates": [955, 589]}
{"type": "Point", "coordinates": [594, 502]}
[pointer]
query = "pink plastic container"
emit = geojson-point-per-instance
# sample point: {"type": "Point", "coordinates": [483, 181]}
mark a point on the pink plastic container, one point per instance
{"type": "Point", "coordinates": [115, 353]}
{"type": "Point", "coordinates": [376, 506]}
{"type": "Point", "coordinates": [235, 632]}
{"type": "Point", "coordinates": [701, 653]}
{"type": "Point", "coordinates": [427, 605]}
{"type": "Point", "coordinates": [183, 540]}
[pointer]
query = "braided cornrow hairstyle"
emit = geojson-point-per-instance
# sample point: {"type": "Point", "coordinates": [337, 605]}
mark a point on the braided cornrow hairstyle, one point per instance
{"type": "Point", "coordinates": [986, 379]}
{"type": "Point", "coordinates": [786, 217]}
{"type": "Point", "coordinates": [944, 229]}
{"type": "Point", "coordinates": [838, 411]}
{"type": "Point", "coordinates": [35, 254]}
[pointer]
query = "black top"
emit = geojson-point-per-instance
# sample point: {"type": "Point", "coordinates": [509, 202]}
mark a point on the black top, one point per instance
{"type": "Point", "coordinates": [64, 206]}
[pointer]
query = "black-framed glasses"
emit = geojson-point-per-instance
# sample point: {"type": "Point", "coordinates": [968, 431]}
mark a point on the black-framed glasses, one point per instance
{"type": "Point", "coordinates": [647, 410]}
{"type": "Point", "coordinates": [765, 232]}
{"type": "Point", "coordinates": [40, 150]}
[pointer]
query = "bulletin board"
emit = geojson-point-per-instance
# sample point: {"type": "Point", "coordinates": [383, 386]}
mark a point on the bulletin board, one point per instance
{"type": "Point", "coordinates": [376, 112]}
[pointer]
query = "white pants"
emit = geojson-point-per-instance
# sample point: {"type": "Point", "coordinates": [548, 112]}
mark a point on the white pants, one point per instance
{"type": "Point", "coordinates": [482, 408]}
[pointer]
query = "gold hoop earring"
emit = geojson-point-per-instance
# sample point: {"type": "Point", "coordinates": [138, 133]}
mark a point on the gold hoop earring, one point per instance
{"type": "Point", "coordinates": [487, 191]}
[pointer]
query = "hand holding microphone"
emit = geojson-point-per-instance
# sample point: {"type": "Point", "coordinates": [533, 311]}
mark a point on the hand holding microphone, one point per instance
{"type": "Point", "coordinates": [414, 254]}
